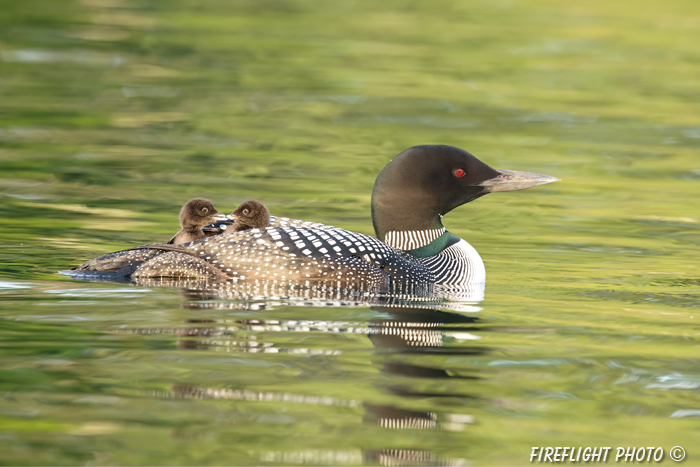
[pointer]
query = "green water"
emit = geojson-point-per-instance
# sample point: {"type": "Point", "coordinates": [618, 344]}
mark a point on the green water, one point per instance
{"type": "Point", "coordinates": [113, 113]}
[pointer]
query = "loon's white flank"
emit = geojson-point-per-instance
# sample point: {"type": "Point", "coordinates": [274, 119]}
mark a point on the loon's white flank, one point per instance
{"type": "Point", "coordinates": [457, 264]}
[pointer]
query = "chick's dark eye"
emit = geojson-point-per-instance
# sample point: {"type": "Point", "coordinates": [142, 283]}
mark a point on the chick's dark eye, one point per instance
{"type": "Point", "coordinates": [246, 211]}
{"type": "Point", "coordinates": [459, 173]}
{"type": "Point", "coordinates": [205, 210]}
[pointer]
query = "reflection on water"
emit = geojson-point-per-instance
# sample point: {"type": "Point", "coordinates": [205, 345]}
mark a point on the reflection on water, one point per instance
{"type": "Point", "coordinates": [407, 330]}
{"type": "Point", "coordinates": [259, 294]}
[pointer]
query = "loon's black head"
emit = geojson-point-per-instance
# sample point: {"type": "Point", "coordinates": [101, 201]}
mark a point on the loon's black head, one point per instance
{"type": "Point", "coordinates": [424, 182]}
{"type": "Point", "coordinates": [197, 213]}
{"type": "Point", "coordinates": [251, 215]}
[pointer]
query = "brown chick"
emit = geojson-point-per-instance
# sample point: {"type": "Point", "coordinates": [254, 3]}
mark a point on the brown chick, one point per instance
{"type": "Point", "coordinates": [195, 214]}
{"type": "Point", "coordinates": [250, 215]}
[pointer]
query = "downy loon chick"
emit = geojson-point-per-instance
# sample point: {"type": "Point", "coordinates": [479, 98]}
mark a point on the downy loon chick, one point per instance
{"type": "Point", "coordinates": [250, 215]}
{"type": "Point", "coordinates": [409, 199]}
{"type": "Point", "coordinates": [194, 215]}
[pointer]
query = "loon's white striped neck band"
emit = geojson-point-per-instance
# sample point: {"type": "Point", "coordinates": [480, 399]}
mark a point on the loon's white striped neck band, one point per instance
{"type": "Point", "coordinates": [412, 239]}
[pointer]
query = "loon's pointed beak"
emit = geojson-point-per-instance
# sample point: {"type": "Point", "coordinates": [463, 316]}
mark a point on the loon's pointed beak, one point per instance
{"type": "Point", "coordinates": [511, 180]}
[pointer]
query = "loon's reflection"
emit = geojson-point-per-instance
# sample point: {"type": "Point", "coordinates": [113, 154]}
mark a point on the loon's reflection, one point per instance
{"type": "Point", "coordinates": [411, 325]}
{"type": "Point", "coordinates": [410, 457]}
{"type": "Point", "coordinates": [256, 295]}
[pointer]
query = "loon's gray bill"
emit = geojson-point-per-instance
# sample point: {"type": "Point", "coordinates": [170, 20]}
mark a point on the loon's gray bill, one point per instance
{"type": "Point", "coordinates": [511, 180]}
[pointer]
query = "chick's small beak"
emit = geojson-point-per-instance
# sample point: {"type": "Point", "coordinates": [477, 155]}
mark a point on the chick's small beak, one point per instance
{"type": "Point", "coordinates": [219, 216]}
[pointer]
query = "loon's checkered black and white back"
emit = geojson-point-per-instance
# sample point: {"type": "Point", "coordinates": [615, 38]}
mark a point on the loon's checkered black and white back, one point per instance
{"type": "Point", "coordinates": [292, 253]}
{"type": "Point", "coordinates": [300, 251]}
{"type": "Point", "coordinates": [456, 264]}
{"type": "Point", "coordinates": [295, 250]}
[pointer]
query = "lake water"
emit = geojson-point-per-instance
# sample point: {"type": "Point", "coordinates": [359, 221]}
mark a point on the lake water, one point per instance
{"type": "Point", "coordinates": [113, 113]}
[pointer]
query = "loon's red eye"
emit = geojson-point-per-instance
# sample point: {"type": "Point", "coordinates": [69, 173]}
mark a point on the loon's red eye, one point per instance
{"type": "Point", "coordinates": [459, 172]}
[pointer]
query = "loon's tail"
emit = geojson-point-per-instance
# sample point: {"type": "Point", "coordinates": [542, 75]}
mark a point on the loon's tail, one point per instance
{"type": "Point", "coordinates": [156, 260]}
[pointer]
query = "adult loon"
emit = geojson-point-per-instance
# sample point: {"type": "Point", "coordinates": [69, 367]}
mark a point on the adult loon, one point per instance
{"type": "Point", "coordinates": [195, 214]}
{"type": "Point", "coordinates": [410, 196]}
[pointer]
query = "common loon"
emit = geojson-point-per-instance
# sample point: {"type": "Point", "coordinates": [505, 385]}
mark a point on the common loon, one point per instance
{"type": "Point", "coordinates": [410, 196]}
{"type": "Point", "coordinates": [194, 215]}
